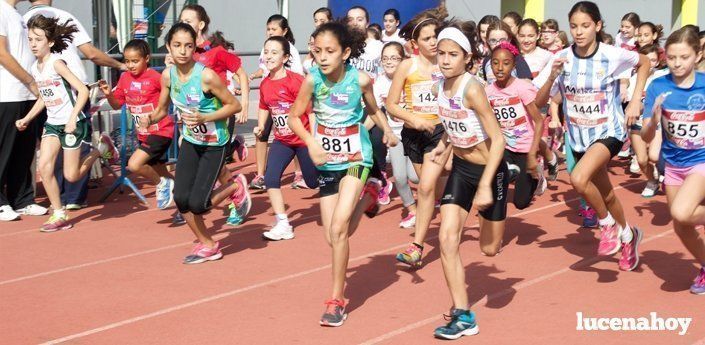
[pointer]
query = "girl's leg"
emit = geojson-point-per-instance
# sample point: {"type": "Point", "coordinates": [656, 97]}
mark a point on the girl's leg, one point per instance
{"type": "Point", "coordinates": [642, 156]}
{"type": "Point", "coordinates": [348, 195]}
{"type": "Point", "coordinates": [48, 150]}
{"type": "Point", "coordinates": [161, 170]}
{"type": "Point", "coordinates": [430, 172]}
{"type": "Point", "coordinates": [401, 179]}
{"type": "Point", "coordinates": [686, 231]}
{"type": "Point", "coordinates": [280, 155]}
{"type": "Point", "coordinates": [308, 169]}
{"type": "Point", "coordinates": [75, 167]}
{"type": "Point", "coordinates": [594, 160]}
{"type": "Point", "coordinates": [453, 218]}
{"type": "Point", "coordinates": [138, 164]}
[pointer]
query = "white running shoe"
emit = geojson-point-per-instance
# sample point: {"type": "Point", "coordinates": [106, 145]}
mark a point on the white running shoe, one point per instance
{"type": "Point", "coordinates": [7, 213]}
{"type": "Point", "coordinates": [543, 184]}
{"type": "Point", "coordinates": [634, 166]}
{"type": "Point", "coordinates": [650, 189]}
{"type": "Point", "coordinates": [33, 210]}
{"type": "Point", "coordinates": [279, 231]}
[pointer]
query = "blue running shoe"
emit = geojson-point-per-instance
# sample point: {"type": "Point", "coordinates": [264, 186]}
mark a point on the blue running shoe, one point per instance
{"type": "Point", "coordinates": [177, 219]}
{"type": "Point", "coordinates": [589, 218]}
{"type": "Point", "coordinates": [698, 287]}
{"type": "Point", "coordinates": [234, 219]}
{"type": "Point", "coordinates": [462, 322]}
{"type": "Point", "coordinates": [165, 193]}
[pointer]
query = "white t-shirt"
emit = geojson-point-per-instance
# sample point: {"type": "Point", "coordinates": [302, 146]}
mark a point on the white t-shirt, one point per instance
{"type": "Point", "coordinates": [537, 60]}
{"type": "Point", "coordinates": [369, 61]}
{"type": "Point", "coordinates": [15, 32]}
{"type": "Point", "coordinates": [56, 92]}
{"type": "Point", "coordinates": [393, 38]}
{"type": "Point", "coordinates": [381, 90]}
{"type": "Point", "coordinates": [294, 61]}
{"type": "Point", "coordinates": [589, 87]}
{"type": "Point", "coordinates": [81, 37]}
{"type": "Point", "coordinates": [622, 41]}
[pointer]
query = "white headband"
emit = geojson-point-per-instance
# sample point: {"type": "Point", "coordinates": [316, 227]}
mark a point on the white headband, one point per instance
{"type": "Point", "coordinates": [456, 36]}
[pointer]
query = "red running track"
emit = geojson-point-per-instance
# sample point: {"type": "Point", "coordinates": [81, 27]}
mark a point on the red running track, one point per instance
{"type": "Point", "coordinates": [117, 278]}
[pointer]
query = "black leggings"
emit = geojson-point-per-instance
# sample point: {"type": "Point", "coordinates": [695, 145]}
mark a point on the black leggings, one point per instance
{"type": "Point", "coordinates": [379, 149]}
{"type": "Point", "coordinates": [196, 172]}
{"type": "Point", "coordinates": [280, 155]}
{"type": "Point", "coordinates": [524, 185]}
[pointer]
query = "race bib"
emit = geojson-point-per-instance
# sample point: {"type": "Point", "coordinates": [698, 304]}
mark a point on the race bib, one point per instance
{"type": "Point", "coordinates": [587, 110]}
{"type": "Point", "coordinates": [458, 126]}
{"type": "Point", "coordinates": [204, 133]}
{"type": "Point", "coordinates": [342, 144]}
{"type": "Point", "coordinates": [422, 99]}
{"type": "Point", "coordinates": [684, 128]}
{"type": "Point", "coordinates": [141, 111]}
{"type": "Point", "coordinates": [280, 116]}
{"type": "Point", "coordinates": [51, 91]}
{"type": "Point", "coordinates": [509, 111]}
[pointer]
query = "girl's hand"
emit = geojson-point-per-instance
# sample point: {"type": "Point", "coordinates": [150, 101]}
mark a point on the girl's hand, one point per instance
{"type": "Point", "coordinates": [554, 124]}
{"type": "Point", "coordinates": [657, 110]}
{"type": "Point", "coordinates": [557, 67]}
{"type": "Point", "coordinates": [423, 125]}
{"type": "Point", "coordinates": [437, 155]}
{"type": "Point", "coordinates": [632, 113]}
{"type": "Point", "coordinates": [144, 122]}
{"type": "Point", "coordinates": [237, 92]}
{"type": "Point", "coordinates": [168, 60]}
{"type": "Point", "coordinates": [70, 127]}
{"type": "Point", "coordinates": [483, 198]}
{"type": "Point", "coordinates": [257, 131]}
{"type": "Point", "coordinates": [192, 119]}
{"type": "Point", "coordinates": [241, 117]}
{"type": "Point", "coordinates": [390, 139]}
{"type": "Point", "coordinates": [21, 124]}
{"type": "Point", "coordinates": [318, 155]}
{"type": "Point", "coordinates": [104, 87]}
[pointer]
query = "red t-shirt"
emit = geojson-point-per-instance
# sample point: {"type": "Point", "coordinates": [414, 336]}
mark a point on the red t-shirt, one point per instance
{"type": "Point", "coordinates": [218, 59]}
{"type": "Point", "coordinates": [141, 95]}
{"type": "Point", "coordinates": [277, 97]}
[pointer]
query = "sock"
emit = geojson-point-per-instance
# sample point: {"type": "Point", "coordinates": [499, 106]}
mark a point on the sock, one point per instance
{"type": "Point", "coordinates": [282, 218]}
{"type": "Point", "coordinates": [627, 234]}
{"type": "Point", "coordinates": [60, 212]}
{"type": "Point", "coordinates": [607, 221]}
{"type": "Point", "coordinates": [417, 245]}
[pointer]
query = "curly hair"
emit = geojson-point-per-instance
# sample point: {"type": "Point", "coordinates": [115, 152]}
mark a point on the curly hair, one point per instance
{"type": "Point", "coordinates": [347, 37]}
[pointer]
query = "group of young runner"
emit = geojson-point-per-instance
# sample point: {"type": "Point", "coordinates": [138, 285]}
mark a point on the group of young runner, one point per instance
{"type": "Point", "coordinates": [461, 110]}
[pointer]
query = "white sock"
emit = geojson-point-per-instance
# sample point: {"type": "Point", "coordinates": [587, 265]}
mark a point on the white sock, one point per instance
{"type": "Point", "coordinates": [60, 212]}
{"type": "Point", "coordinates": [282, 218]}
{"type": "Point", "coordinates": [607, 221]}
{"type": "Point", "coordinates": [553, 160]}
{"type": "Point", "coordinates": [627, 234]}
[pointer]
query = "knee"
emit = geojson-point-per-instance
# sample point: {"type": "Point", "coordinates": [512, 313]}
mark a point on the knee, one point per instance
{"type": "Point", "coordinates": [311, 180]}
{"type": "Point", "coordinates": [680, 215]}
{"type": "Point", "coordinates": [271, 181]}
{"type": "Point", "coordinates": [46, 170]}
{"type": "Point", "coordinates": [181, 201]}
{"type": "Point", "coordinates": [338, 232]}
{"type": "Point", "coordinates": [490, 249]}
{"type": "Point", "coordinates": [643, 161]}
{"type": "Point", "coordinates": [197, 205]}
{"type": "Point", "coordinates": [71, 175]}
{"type": "Point", "coordinates": [579, 181]}
{"type": "Point", "coordinates": [449, 241]}
{"type": "Point", "coordinates": [522, 203]}
{"type": "Point", "coordinates": [133, 166]}
{"type": "Point", "coordinates": [427, 188]}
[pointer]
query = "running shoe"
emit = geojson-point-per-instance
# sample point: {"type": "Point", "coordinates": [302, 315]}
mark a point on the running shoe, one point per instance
{"type": "Point", "coordinates": [542, 184]}
{"type": "Point", "coordinates": [411, 256]}
{"type": "Point", "coordinates": [107, 149]}
{"type": "Point", "coordinates": [384, 198]}
{"type": "Point", "coordinates": [335, 315]}
{"type": "Point", "coordinates": [165, 193]}
{"type": "Point", "coordinates": [56, 222]}
{"type": "Point", "coordinates": [630, 251]}
{"type": "Point", "coordinates": [461, 322]}
{"type": "Point", "coordinates": [626, 150]}
{"type": "Point", "coordinates": [386, 190]}
{"type": "Point", "coordinates": [299, 182]}
{"type": "Point", "coordinates": [280, 231]}
{"type": "Point", "coordinates": [408, 222]}
{"type": "Point", "coordinates": [650, 189]}
{"type": "Point", "coordinates": [8, 214]}
{"type": "Point", "coordinates": [33, 210]}
{"type": "Point", "coordinates": [75, 207]}
{"type": "Point", "coordinates": [634, 166]}
{"type": "Point", "coordinates": [553, 167]}
{"type": "Point", "coordinates": [258, 183]}
{"type": "Point", "coordinates": [698, 286]}
{"type": "Point", "coordinates": [241, 198]}
{"type": "Point", "coordinates": [240, 148]}
{"type": "Point", "coordinates": [589, 217]}
{"type": "Point", "coordinates": [201, 253]}
{"type": "Point", "coordinates": [177, 218]}
{"type": "Point", "coordinates": [373, 188]}
{"type": "Point", "coordinates": [609, 240]}
{"type": "Point", "coordinates": [234, 218]}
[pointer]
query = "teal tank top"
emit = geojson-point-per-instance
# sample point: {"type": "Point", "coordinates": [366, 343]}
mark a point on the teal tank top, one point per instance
{"type": "Point", "coordinates": [189, 97]}
{"type": "Point", "coordinates": [339, 114]}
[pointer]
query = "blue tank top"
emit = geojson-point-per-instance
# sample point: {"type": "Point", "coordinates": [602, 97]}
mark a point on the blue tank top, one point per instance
{"type": "Point", "coordinates": [189, 97]}
{"type": "Point", "coordinates": [339, 114]}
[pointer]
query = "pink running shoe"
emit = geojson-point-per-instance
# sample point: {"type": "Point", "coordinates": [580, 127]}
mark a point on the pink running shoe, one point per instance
{"type": "Point", "coordinates": [408, 222]}
{"type": "Point", "coordinates": [609, 240]}
{"type": "Point", "coordinates": [56, 223]}
{"type": "Point", "coordinates": [373, 188]}
{"type": "Point", "coordinates": [107, 149]}
{"type": "Point", "coordinates": [630, 251]}
{"type": "Point", "coordinates": [299, 182]}
{"type": "Point", "coordinates": [241, 198]}
{"type": "Point", "coordinates": [201, 253]}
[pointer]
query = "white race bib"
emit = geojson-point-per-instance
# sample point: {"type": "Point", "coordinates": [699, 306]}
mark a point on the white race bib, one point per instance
{"type": "Point", "coordinates": [587, 110]}
{"type": "Point", "coordinates": [141, 111]}
{"type": "Point", "coordinates": [342, 144]}
{"type": "Point", "coordinates": [510, 112]}
{"type": "Point", "coordinates": [458, 126]}
{"type": "Point", "coordinates": [684, 128]}
{"type": "Point", "coordinates": [422, 99]}
{"type": "Point", "coordinates": [51, 91]}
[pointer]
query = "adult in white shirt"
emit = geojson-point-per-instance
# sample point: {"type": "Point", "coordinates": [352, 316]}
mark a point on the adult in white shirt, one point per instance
{"type": "Point", "coordinates": [73, 194]}
{"type": "Point", "coordinates": [17, 95]}
{"type": "Point", "coordinates": [369, 61]}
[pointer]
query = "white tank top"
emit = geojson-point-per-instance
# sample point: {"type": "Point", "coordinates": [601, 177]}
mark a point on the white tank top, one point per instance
{"type": "Point", "coordinates": [55, 91]}
{"type": "Point", "coordinates": [461, 124]}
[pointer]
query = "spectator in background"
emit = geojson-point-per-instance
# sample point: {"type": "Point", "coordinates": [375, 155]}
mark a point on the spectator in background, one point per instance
{"type": "Point", "coordinates": [512, 19]}
{"type": "Point", "coordinates": [321, 16]}
{"type": "Point", "coordinates": [17, 94]}
{"type": "Point", "coordinates": [391, 21]}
